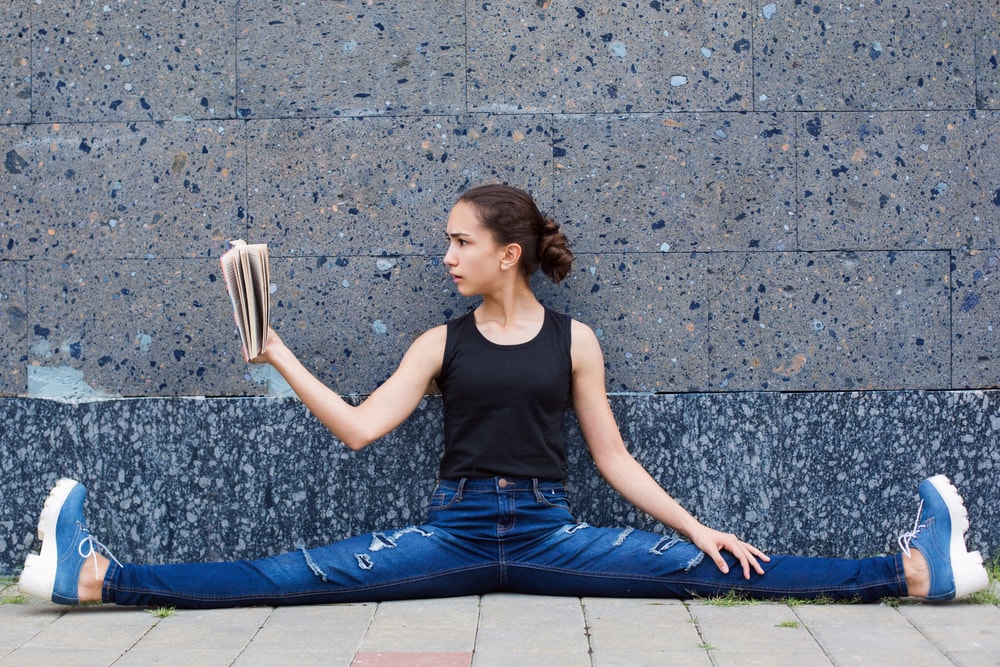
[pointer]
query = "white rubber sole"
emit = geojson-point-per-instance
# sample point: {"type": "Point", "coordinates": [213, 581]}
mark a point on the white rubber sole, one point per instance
{"type": "Point", "coordinates": [39, 576]}
{"type": "Point", "coordinates": [966, 566]}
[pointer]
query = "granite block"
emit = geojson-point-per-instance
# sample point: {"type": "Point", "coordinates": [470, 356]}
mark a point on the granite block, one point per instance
{"type": "Point", "coordinates": [988, 56]}
{"type": "Point", "coordinates": [975, 324]}
{"type": "Point", "coordinates": [677, 183]}
{"type": "Point", "coordinates": [593, 57]}
{"type": "Point", "coordinates": [717, 454]}
{"type": "Point", "coordinates": [963, 445]}
{"type": "Point", "coordinates": [649, 311]}
{"type": "Point", "coordinates": [131, 328]}
{"type": "Point", "coordinates": [895, 181]}
{"type": "Point", "coordinates": [382, 185]}
{"type": "Point", "coordinates": [321, 59]}
{"type": "Point", "coordinates": [176, 479]}
{"type": "Point", "coordinates": [15, 62]}
{"type": "Point", "coordinates": [850, 466]}
{"type": "Point", "coordinates": [351, 319]}
{"type": "Point", "coordinates": [848, 320]}
{"type": "Point", "coordinates": [121, 61]}
{"type": "Point", "coordinates": [13, 328]}
{"type": "Point", "coordinates": [811, 56]}
{"type": "Point", "coordinates": [24, 440]}
{"type": "Point", "coordinates": [146, 190]}
{"type": "Point", "coordinates": [730, 474]}
{"type": "Point", "coordinates": [392, 479]}
{"type": "Point", "coordinates": [654, 429]}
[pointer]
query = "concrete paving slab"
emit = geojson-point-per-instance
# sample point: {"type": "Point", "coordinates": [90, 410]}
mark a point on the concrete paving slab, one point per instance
{"type": "Point", "coordinates": [124, 363]}
{"type": "Point", "coordinates": [322, 59]}
{"type": "Point", "coordinates": [13, 281]}
{"type": "Point", "coordinates": [968, 634]}
{"type": "Point", "coordinates": [987, 56]}
{"type": "Point", "coordinates": [15, 59]}
{"type": "Point", "coordinates": [536, 630]}
{"type": "Point", "coordinates": [133, 61]}
{"type": "Point", "coordinates": [590, 56]}
{"type": "Point", "coordinates": [915, 54]}
{"type": "Point", "coordinates": [590, 632]}
{"type": "Point", "coordinates": [678, 183]}
{"type": "Point", "coordinates": [227, 630]}
{"type": "Point", "coordinates": [30, 656]}
{"type": "Point", "coordinates": [830, 310]}
{"type": "Point", "coordinates": [975, 300]}
{"type": "Point", "coordinates": [872, 634]}
{"type": "Point", "coordinates": [324, 634]}
{"type": "Point", "coordinates": [22, 618]}
{"type": "Point", "coordinates": [448, 625]}
{"type": "Point", "coordinates": [896, 181]}
{"type": "Point", "coordinates": [757, 630]}
{"type": "Point", "coordinates": [412, 659]}
{"type": "Point", "coordinates": [148, 190]}
{"type": "Point", "coordinates": [656, 340]}
{"type": "Point", "coordinates": [642, 632]}
{"type": "Point", "coordinates": [195, 657]}
{"type": "Point", "coordinates": [381, 186]}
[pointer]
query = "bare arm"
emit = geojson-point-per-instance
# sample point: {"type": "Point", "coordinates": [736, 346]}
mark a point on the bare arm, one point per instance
{"type": "Point", "coordinates": [627, 475]}
{"type": "Point", "coordinates": [383, 410]}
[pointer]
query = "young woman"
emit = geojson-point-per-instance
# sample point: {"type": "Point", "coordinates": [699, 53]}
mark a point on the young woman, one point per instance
{"type": "Point", "coordinates": [499, 517]}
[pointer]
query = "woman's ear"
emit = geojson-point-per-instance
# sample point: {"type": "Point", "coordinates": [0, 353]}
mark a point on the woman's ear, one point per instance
{"type": "Point", "coordinates": [511, 255]}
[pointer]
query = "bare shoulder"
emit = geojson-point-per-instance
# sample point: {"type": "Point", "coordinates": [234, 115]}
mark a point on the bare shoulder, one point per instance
{"type": "Point", "coordinates": [585, 347]}
{"type": "Point", "coordinates": [430, 343]}
{"type": "Point", "coordinates": [434, 335]}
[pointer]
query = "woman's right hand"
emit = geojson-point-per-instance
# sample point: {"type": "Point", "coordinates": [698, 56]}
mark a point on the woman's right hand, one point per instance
{"type": "Point", "coordinates": [274, 347]}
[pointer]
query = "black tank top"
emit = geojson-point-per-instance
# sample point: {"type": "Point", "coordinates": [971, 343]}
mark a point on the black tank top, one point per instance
{"type": "Point", "coordinates": [504, 404]}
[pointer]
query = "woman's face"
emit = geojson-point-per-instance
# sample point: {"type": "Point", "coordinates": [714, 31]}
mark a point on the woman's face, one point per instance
{"type": "Point", "coordinates": [474, 257]}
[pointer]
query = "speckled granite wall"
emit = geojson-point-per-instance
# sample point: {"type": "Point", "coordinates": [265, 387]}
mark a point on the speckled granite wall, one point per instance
{"type": "Point", "coordinates": [176, 479]}
{"type": "Point", "coordinates": [764, 197]}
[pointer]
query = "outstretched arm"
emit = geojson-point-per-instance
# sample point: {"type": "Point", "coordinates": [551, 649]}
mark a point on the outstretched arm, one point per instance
{"type": "Point", "coordinates": [383, 410]}
{"type": "Point", "coordinates": [627, 475]}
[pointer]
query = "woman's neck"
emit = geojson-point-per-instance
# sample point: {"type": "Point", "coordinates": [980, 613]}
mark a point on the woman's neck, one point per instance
{"type": "Point", "coordinates": [510, 315]}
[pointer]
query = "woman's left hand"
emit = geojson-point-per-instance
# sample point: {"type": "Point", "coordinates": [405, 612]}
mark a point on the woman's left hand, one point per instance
{"type": "Point", "coordinates": [713, 542]}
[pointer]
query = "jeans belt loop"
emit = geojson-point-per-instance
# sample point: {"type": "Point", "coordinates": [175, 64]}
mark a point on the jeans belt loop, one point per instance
{"type": "Point", "coordinates": [461, 489]}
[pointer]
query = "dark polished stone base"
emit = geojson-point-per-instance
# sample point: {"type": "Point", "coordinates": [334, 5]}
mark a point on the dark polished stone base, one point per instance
{"type": "Point", "coordinates": [171, 479]}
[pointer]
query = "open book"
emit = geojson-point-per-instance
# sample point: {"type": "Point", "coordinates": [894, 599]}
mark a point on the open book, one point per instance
{"type": "Point", "coordinates": [247, 274]}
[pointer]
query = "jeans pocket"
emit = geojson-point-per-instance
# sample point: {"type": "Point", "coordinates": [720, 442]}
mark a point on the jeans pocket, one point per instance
{"type": "Point", "coordinates": [555, 498]}
{"type": "Point", "coordinates": [443, 497]}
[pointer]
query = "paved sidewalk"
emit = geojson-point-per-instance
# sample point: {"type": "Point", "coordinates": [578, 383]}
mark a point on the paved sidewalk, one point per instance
{"type": "Point", "coordinates": [503, 630]}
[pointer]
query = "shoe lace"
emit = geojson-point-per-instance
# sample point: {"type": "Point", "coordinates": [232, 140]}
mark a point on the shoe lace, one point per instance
{"type": "Point", "coordinates": [92, 545]}
{"type": "Point", "coordinates": [907, 537]}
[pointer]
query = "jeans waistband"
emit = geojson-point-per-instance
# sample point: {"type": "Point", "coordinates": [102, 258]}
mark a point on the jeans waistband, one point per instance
{"type": "Point", "coordinates": [501, 484]}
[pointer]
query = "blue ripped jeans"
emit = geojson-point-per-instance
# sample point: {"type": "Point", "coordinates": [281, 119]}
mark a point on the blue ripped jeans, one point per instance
{"type": "Point", "coordinates": [489, 535]}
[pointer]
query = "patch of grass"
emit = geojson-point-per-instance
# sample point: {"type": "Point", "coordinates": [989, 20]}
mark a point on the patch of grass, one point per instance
{"type": "Point", "coordinates": [162, 612]}
{"type": "Point", "coordinates": [8, 591]}
{"type": "Point", "coordinates": [796, 602]}
{"type": "Point", "coordinates": [729, 599]}
{"type": "Point", "coordinates": [788, 624]}
{"type": "Point", "coordinates": [990, 595]}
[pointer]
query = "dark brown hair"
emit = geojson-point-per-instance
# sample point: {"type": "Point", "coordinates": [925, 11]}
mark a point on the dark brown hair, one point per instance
{"type": "Point", "coordinates": [513, 217]}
